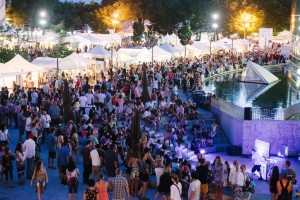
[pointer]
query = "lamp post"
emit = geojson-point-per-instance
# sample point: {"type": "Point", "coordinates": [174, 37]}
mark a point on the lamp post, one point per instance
{"type": "Point", "coordinates": [42, 20]}
{"type": "Point", "coordinates": [247, 22]}
{"type": "Point", "coordinates": [233, 37]}
{"type": "Point", "coordinates": [115, 20]}
{"type": "Point", "coordinates": [215, 26]}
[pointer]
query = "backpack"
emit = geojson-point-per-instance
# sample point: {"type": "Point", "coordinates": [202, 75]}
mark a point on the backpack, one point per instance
{"type": "Point", "coordinates": [284, 192]}
{"type": "Point", "coordinates": [73, 179]}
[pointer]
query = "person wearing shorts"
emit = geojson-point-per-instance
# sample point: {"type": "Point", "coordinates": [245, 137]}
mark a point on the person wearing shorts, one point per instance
{"type": "Point", "coordinates": [256, 159]}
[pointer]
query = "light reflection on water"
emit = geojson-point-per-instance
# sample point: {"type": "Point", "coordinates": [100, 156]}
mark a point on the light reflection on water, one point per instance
{"type": "Point", "coordinates": [280, 95]}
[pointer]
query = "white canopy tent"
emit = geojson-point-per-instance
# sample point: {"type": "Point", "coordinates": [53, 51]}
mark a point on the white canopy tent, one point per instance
{"type": "Point", "coordinates": [8, 70]}
{"type": "Point", "coordinates": [170, 49]}
{"type": "Point", "coordinates": [23, 65]}
{"type": "Point", "coordinates": [51, 63]}
{"type": "Point", "coordinates": [98, 52]}
{"type": "Point", "coordinates": [160, 55]}
{"type": "Point", "coordinates": [79, 59]}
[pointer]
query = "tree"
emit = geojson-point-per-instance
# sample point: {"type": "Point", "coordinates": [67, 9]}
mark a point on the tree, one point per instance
{"type": "Point", "coordinates": [185, 34]}
{"type": "Point", "coordinates": [145, 92]}
{"type": "Point", "coordinates": [244, 16]}
{"type": "Point", "coordinates": [136, 133]}
{"type": "Point", "coordinates": [138, 30]}
{"type": "Point", "coordinates": [120, 9]}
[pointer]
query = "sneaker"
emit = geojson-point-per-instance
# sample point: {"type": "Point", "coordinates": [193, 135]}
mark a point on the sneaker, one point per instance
{"type": "Point", "coordinates": [261, 179]}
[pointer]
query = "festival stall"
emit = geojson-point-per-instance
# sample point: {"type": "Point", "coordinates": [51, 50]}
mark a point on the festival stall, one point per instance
{"type": "Point", "coordinates": [159, 54]}
{"type": "Point", "coordinates": [173, 51]}
{"type": "Point", "coordinates": [32, 75]}
{"type": "Point", "coordinates": [8, 75]}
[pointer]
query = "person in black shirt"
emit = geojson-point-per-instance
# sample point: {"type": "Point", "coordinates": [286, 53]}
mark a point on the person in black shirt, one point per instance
{"type": "Point", "coordinates": [202, 171]}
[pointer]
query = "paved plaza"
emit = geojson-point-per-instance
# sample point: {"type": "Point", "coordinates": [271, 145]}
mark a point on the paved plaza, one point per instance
{"type": "Point", "coordinates": [56, 191]}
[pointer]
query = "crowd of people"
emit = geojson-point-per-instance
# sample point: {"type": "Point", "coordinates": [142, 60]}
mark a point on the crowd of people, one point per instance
{"type": "Point", "coordinates": [99, 127]}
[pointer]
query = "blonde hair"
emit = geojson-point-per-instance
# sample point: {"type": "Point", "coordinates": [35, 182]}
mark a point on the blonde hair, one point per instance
{"type": "Point", "coordinates": [159, 163]}
{"type": "Point", "coordinates": [236, 165]}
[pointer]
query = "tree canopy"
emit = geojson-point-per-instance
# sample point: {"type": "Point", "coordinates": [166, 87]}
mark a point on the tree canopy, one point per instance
{"type": "Point", "coordinates": [166, 15]}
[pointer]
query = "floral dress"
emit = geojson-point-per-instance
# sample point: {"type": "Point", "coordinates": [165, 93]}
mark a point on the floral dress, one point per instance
{"type": "Point", "coordinates": [218, 175]}
{"type": "Point", "coordinates": [91, 194]}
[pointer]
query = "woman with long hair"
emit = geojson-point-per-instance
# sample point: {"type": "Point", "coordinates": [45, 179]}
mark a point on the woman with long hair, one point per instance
{"type": "Point", "coordinates": [218, 177]}
{"type": "Point", "coordinates": [273, 183]}
{"type": "Point", "coordinates": [144, 175]}
{"type": "Point", "coordinates": [176, 188]}
{"type": "Point", "coordinates": [75, 144]}
{"type": "Point", "coordinates": [72, 174]}
{"type": "Point", "coordinates": [20, 158]}
{"type": "Point", "coordinates": [91, 193]}
{"type": "Point", "coordinates": [233, 176]}
{"type": "Point", "coordinates": [8, 167]}
{"type": "Point", "coordinates": [134, 175]}
{"type": "Point", "coordinates": [41, 177]}
{"type": "Point", "coordinates": [102, 187]}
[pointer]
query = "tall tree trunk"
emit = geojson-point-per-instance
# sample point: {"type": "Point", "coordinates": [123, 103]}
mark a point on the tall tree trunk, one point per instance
{"type": "Point", "coordinates": [145, 92]}
{"type": "Point", "coordinates": [66, 101]}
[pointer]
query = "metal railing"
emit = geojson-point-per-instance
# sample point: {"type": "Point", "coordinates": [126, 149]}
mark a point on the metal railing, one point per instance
{"type": "Point", "coordinates": [268, 114]}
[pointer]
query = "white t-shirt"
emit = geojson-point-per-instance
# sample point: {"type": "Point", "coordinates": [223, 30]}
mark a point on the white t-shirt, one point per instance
{"type": "Point", "coordinates": [194, 186]}
{"type": "Point", "coordinates": [34, 97]}
{"type": "Point", "coordinates": [28, 126]}
{"type": "Point", "coordinates": [233, 176]}
{"type": "Point", "coordinates": [101, 98]}
{"type": "Point", "coordinates": [256, 158]}
{"type": "Point", "coordinates": [45, 88]}
{"type": "Point", "coordinates": [82, 101]}
{"type": "Point", "coordinates": [178, 152]}
{"type": "Point", "coordinates": [241, 179]}
{"type": "Point", "coordinates": [95, 157]}
{"type": "Point", "coordinates": [46, 121]}
{"type": "Point", "coordinates": [89, 97]}
{"type": "Point", "coordinates": [176, 191]}
{"type": "Point", "coordinates": [29, 147]}
{"type": "Point", "coordinates": [158, 173]}
{"type": "Point", "coordinates": [3, 135]}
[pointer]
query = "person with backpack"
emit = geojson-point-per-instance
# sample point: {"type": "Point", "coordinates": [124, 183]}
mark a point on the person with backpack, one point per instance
{"type": "Point", "coordinates": [72, 174]}
{"type": "Point", "coordinates": [284, 187]}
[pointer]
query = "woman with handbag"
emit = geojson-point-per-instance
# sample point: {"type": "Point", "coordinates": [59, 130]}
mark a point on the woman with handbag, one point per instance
{"type": "Point", "coordinates": [20, 158]}
{"type": "Point", "coordinates": [40, 174]}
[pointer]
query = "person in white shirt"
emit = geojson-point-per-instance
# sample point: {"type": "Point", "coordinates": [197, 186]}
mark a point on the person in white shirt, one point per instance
{"type": "Point", "coordinates": [194, 188]}
{"type": "Point", "coordinates": [29, 148]}
{"type": "Point", "coordinates": [28, 125]}
{"type": "Point", "coordinates": [256, 159]}
{"type": "Point", "coordinates": [233, 174]}
{"type": "Point", "coordinates": [176, 188]}
{"type": "Point", "coordinates": [240, 183]}
{"type": "Point", "coordinates": [179, 152]}
{"type": "Point", "coordinates": [102, 97]}
{"type": "Point", "coordinates": [46, 119]}
{"type": "Point", "coordinates": [34, 98]}
{"type": "Point", "coordinates": [82, 102]}
{"type": "Point", "coordinates": [96, 161]}
{"type": "Point", "coordinates": [89, 97]}
{"type": "Point", "coordinates": [45, 88]}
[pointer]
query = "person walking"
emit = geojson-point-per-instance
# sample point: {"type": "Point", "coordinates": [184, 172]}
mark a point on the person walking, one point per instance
{"type": "Point", "coordinates": [29, 147]}
{"type": "Point", "coordinates": [41, 178]}
{"type": "Point", "coordinates": [20, 158]}
{"type": "Point", "coordinates": [87, 161]}
{"type": "Point", "coordinates": [45, 119]}
{"type": "Point", "coordinates": [194, 188]}
{"type": "Point", "coordinates": [165, 183]}
{"type": "Point", "coordinates": [51, 140]}
{"type": "Point", "coordinates": [21, 124]}
{"type": "Point", "coordinates": [202, 171]}
{"type": "Point", "coordinates": [273, 183]}
{"type": "Point", "coordinates": [218, 178]}
{"type": "Point", "coordinates": [102, 187]}
{"type": "Point", "coordinates": [91, 193]}
{"type": "Point", "coordinates": [176, 188]}
{"type": "Point", "coordinates": [119, 186]}
{"type": "Point", "coordinates": [8, 167]}
{"type": "Point", "coordinates": [96, 161]}
{"type": "Point", "coordinates": [240, 183]}
{"type": "Point", "coordinates": [111, 160]}
{"type": "Point", "coordinates": [256, 159]}
{"type": "Point", "coordinates": [72, 173]}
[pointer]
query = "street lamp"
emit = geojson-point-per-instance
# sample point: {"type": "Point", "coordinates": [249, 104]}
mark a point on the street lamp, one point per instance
{"type": "Point", "coordinates": [215, 26]}
{"type": "Point", "coordinates": [233, 37]}
{"type": "Point", "coordinates": [43, 13]}
{"type": "Point", "coordinates": [115, 20]}
{"type": "Point", "coordinates": [42, 20]}
{"type": "Point", "coordinates": [215, 16]}
{"type": "Point", "coordinates": [247, 22]}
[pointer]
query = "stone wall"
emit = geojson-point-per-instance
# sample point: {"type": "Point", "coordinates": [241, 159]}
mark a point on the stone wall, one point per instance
{"type": "Point", "coordinates": [277, 133]}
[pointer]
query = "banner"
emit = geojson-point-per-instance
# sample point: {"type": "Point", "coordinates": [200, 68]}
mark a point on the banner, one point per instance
{"type": "Point", "coordinates": [265, 37]}
{"type": "Point", "coordinates": [2, 12]}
